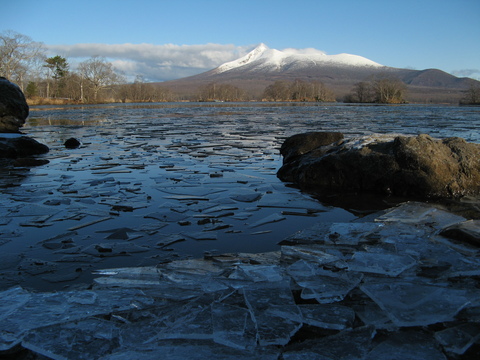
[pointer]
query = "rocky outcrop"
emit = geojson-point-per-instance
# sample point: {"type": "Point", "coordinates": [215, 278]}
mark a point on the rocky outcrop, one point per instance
{"type": "Point", "coordinates": [415, 166]}
{"type": "Point", "coordinates": [13, 147]}
{"type": "Point", "coordinates": [13, 107]}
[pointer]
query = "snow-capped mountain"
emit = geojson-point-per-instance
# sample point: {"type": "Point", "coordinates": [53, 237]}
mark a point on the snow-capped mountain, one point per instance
{"type": "Point", "coordinates": [263, 66]}
{"type": "Point", "coordinates": [265, 59]}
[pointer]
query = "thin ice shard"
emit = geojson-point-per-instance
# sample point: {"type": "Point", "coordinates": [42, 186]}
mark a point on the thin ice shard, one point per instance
{"type": "Point", "coordinates": [460, 338]}
{"type": "Point", "coordinates": [233, 326]}
{"type": "Point", "coordinates": [409, 344]}
{"type": "Point", "coordinates": [350, 344]}
{"type": "Point", "coordinates": [258, 273]}
{"type": "Point", "coordinates": [336, 317]}
{"type": "Point", "coordinates": [277, 318]}
{"type": "Point", "coordinates": [380, 263]}
{"type": "Point", "coordinates": [268, 220]}
{"type": "Point", "coordinates": [416, 212]}
{"type": "Point", "coordinates": [323, 285]}
{"type": "Point", "coordinates": [192, 350]}
{"type": "Point", "coordinates": [413, 304]}
{"type": "Point", "coordinates": [350, 233]}
{"type": "Point", "coordinates": [89, 338]}
{"type": "Point", "coordinates": [35, 310]}
{"type": "Point", "coordinates": [310, 253]}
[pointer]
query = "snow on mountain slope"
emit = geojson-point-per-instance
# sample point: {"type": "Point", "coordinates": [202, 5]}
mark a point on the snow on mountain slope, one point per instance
{"type": "Point", "coordinates": [264, 58]}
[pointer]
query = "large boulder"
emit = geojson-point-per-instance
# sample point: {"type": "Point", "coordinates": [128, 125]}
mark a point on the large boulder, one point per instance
{"type": "Point", "coordinates": [13, 107]}
{"type": "Point", "coordinates": [412, 166]}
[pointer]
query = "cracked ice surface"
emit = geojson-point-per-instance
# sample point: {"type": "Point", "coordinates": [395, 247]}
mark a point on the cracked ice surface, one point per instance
{"type": "Point", "coordinates": [392, 290]}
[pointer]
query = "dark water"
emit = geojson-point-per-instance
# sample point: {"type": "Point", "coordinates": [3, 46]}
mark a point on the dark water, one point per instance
{"type": "Point", "coordinates": [158, 182]}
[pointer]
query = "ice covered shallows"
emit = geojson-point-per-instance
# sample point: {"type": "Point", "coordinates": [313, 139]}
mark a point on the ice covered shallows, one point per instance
{"type": "Point", "coordinates": [414, 304]}
{"type": "Point", "coordinates": [22, 311]}
{"type": "Point", "coordinates": [276, 315]}
{"type": "Point", "coordinates": [387, 289]}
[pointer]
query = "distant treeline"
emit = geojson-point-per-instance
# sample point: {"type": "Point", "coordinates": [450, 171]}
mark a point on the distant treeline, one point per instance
{"type": "Point", "coordinates": [50, 80]}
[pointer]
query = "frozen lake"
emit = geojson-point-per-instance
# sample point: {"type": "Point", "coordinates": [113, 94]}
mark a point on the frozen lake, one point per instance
{"type": "Point", "coordinates": [155, 182]}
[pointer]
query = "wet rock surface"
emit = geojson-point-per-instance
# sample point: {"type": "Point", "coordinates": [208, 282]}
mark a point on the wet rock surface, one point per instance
{"type": "Point", "coordinates": [13, 107]}
{"type": "Point", "coordinates": [13, 146]}
{"type": "Point", "coordinates": [14, 111]}
{"type": "Point", "coordinates": [416, 166]}
{"type": "Point", "coordinates": [374, 288]}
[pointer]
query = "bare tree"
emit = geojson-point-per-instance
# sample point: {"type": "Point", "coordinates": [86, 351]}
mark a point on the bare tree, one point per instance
{"type": "Point", "coordinates": [223, 92]}
{"type": "Point", "coordinates": [383, 90]}
{"type": "Point", "coordinates": [389, 90]}
{"type": "Point", "coordinates": [472, 94]}
{"type": "Point", "coordinates": [364, 92]}
{"type": "Point", "coordinates": [278, 91]}
{"type": "Point", "coordinates": [298, 90]}
{"type": "Point", "coordinates": [99, 74]}
{"type": "Point", "coordinates": [18, 54]}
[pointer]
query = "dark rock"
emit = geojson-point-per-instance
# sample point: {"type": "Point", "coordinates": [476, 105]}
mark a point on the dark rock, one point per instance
{"type": "Point", "coordinates": [13, 107]}
{"type": "Point", "coordinates": [300, 144]}
{"type": "Point", "coordinates": [29, 162]}
{"type": "Point", "coordinates": [20, 146]}
{"type": "Point", "coordinates": [72, 143]}
{"type": "Point", "coordinates": [417, 166]}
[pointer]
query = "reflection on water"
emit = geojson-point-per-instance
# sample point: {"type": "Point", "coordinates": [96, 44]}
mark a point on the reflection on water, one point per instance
{"type": "Point", "coordinates": [155, 182]}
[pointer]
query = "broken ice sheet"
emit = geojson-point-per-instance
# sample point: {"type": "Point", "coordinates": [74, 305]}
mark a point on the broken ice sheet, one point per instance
{"type": "Point", "coordinates": [36, 266]}
{"type": "Point", "coordinates": [32, 210]}
{"type": "Point", "coordinates": [349, 344]}
{"type": "Point", "coordinates": [416, 304]}
{"type": "Point", "coordinates": [166, 215]}
{"type": "Point", "coordinates": [417, 212]}
{"type": "Point", "coordinates": [275, 313]}
{"type": "Point", "coordinates": [258, 273]}
{"type": "Point", "coordinates": [192, 350]}
{"type": "Point", "coordinates": [326, 316]}
{"type": "Point", "coordinates": [246, 196]}
{"type": "Point", "coordinates": [466, 232]}
{"type": "Point", "coordinates": [27, 311]}
{"type": "Point", "coordinates": [201, 235]}
{"type": "Point", "coordinates": [233, 326]}
{"type": "Point", "coordinates": [113, 249]}
{"type": "Point", "coordinates": [267, 220]}
{"type": "Point", "coordinates": [169, 240]}
{"type": "Point", "coordinates": [371, 314]}
{"type": "Point", "coordinates": [351, 233]}
{"type": "Point", "coordinates": [458, 339]}
{"type": "Point", "coordinates": [380, 263]}
{"type": "Point", "coordinates": [88, 338]}
{"type": "Point", "coordinates": [308, 253]}
{"type": "Point", "coordinates": [192, 321]}
{"type": "Point", "coordinates": [407, 344]}
{"type": "Point", "coordinates": [323, 285]}
{"type": "Point", "coordinates": [119, 233]}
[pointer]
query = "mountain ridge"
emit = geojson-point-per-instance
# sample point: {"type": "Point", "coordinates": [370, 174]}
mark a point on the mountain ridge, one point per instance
{"type": "Point", "coordinates": [263, 66]}
{"type": "Point", "coordinates": [263, 56]}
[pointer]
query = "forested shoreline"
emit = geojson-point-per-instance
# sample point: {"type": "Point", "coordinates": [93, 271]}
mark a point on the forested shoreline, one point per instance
{"type": "Point", "coordinates": [51, 80]}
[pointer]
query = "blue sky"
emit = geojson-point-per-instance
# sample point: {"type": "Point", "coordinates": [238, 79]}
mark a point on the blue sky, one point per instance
{"type": "Point", "coordinates": [167, 39]}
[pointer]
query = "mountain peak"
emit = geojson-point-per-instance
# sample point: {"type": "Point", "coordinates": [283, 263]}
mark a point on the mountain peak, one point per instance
{"type": "Point", "coordinates": [250, 57]}
{"type": "Point", "coordinates": [262, 57]}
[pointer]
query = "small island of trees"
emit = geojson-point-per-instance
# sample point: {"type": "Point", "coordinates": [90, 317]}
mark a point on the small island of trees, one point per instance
{"type": "Point", "coordinates": [381, 90]}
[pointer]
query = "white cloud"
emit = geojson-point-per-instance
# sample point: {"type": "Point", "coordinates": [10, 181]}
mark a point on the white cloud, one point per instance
{"type": "Point", "coordinates": [307, 51]}
{"type": "Point", "coordinates": [154, 62]}
{"type": "Point", "coordinates": [472, 73]}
